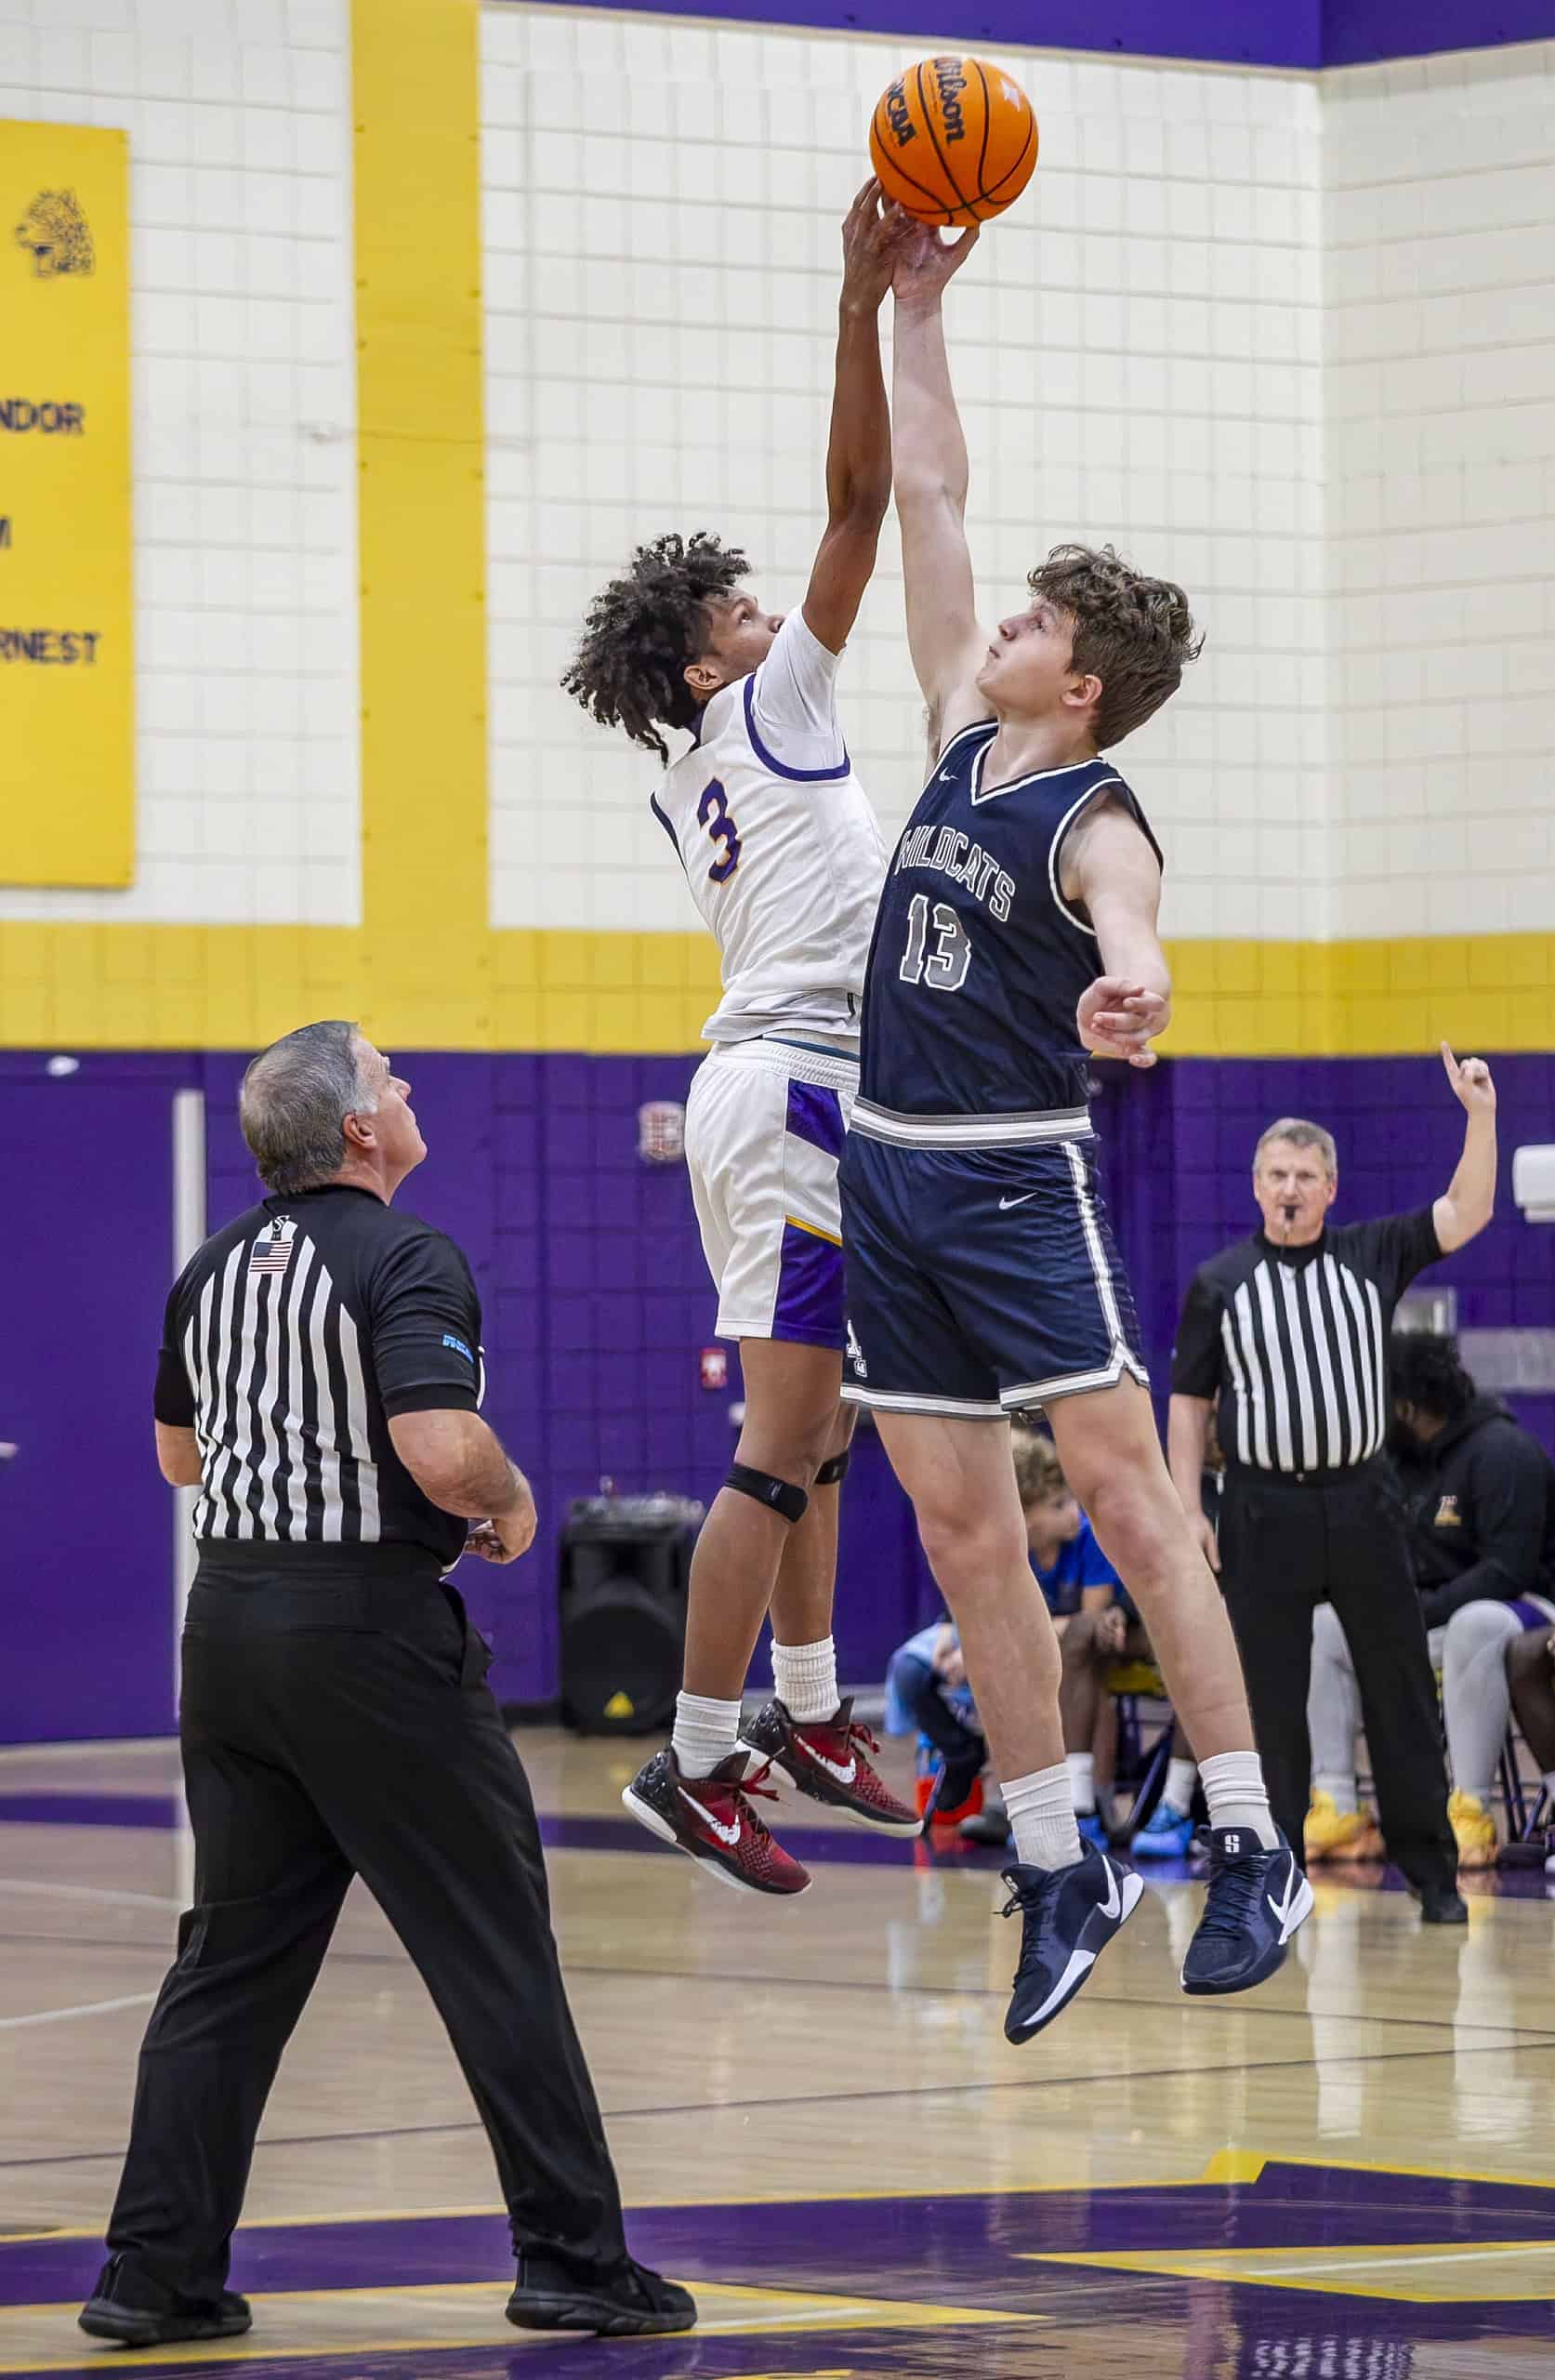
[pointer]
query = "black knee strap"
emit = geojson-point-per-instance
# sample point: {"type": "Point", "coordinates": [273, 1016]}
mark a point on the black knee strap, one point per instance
{"type": "Point", "coordinates": [834, 1469]}
{"type": "Point", "coordinates": [778, 1495]}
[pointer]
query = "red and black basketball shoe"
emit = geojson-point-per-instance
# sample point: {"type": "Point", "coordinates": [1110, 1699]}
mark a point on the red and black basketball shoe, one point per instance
{"type": "Point", "coordinates": [711, 1818]}
{"type": "Point", "coordinates": [824, 1758]}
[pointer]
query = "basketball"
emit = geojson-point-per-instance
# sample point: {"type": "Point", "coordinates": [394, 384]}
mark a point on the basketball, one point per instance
{"type": "Point", "coordinates": [954, 141]}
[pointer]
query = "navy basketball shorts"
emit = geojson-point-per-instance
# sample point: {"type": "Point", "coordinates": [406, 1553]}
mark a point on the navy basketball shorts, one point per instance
{"type": "Point", "coordinates": [979, 1281]}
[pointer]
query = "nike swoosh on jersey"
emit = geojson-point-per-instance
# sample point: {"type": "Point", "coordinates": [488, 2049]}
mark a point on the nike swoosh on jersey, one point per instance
{"type": "Point", "coordinates": [730, 1834]}
{"type": "Point", "coordinates": [1016, 1202]}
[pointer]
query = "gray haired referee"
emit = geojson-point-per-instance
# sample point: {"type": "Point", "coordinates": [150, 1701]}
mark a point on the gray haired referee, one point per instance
{"type": "Point", "coordinates": [1286, 1333]}
{"type": "Point", "coordinates": [319, 1383]}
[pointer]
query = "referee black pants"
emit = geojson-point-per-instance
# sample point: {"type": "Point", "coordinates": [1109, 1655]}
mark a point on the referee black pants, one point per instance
{"type": "Point", "coordinates": [1286, 1546]}
{"type": "Point", "coordinates": [332, 1729]}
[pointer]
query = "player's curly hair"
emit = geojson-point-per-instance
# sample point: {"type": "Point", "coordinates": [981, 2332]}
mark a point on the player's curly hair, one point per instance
{"type": "Point", "coordinates": [1426, 1370]}
{"type": "Point", "coordinates": [1134, 634]}
{"type": "Point", "coordinates": [639, 632]}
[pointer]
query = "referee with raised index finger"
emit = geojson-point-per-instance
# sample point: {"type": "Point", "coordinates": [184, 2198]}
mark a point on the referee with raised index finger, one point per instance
{"type": "Point", "coordinates": [1287, 1335]}
{"type": "Point", "coordinates": [319, 1383]}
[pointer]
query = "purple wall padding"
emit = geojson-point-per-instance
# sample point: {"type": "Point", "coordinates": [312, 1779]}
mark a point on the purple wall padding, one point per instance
{"type": "Point", "coordinates": [596, 1307]}
{"type": "Point", "coordinates": [86, 1522]}
{"type": "Point", "coordinates": [1359, 33]}
{"type": "Point", "coordinates": [1231, 33]}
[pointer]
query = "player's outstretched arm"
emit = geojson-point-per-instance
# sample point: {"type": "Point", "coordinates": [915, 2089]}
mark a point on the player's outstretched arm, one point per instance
{"type": "Point", "coordinates": [1112, 871]}
{"type": "Point", "coordinates": [858, 455]}
{"type": "Point", "coordinates": [930, 477]}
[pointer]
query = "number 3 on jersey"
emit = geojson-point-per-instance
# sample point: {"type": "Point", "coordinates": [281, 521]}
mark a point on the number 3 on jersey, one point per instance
{"type": "Point", "coordinates": [946, 969]}
{"type": "Point", "coordinates": [713, 813]}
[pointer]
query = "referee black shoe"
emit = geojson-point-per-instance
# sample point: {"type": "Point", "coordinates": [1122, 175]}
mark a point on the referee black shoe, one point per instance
{"type": "Point", "coordinates": [1256, 1901]}
{"type": "Point", "coordinates": [1067, 1916]}
{"type": "Point", "coordinates": [614, 2301]}
{"type": "Point", "coordinates": [135, 2311]}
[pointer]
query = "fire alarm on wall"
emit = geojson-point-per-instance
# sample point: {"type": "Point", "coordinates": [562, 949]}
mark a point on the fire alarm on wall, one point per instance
{"type": "Point", "coordinates": [715, 1366]}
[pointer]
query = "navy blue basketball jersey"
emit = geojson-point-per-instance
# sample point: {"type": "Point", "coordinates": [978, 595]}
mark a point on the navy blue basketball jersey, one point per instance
{"type": "Point", "coordinates": [977, 962]}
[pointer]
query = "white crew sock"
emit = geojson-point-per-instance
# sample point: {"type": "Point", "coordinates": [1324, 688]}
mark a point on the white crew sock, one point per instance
{"type": "Point", "coordinates": [1234, 1787]}
{"type": "Point", "coordinates": [1178, 1795]}
{"type": "Point", "coordinates": [1081, 1767]}
{"type": "Point", "coordinates": [705, 1732]}
{"type": "Point", "coordinates": [1346, 1799]}
{"type": "Point", "coordinates": [1041, 1813]}
{"type": "Point", "coordinates": [805, 1678]}
{"type": "Point", "coordinates": [1550, 1783]}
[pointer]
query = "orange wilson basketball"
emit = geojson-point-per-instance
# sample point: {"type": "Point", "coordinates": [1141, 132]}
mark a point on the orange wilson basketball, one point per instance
{"type": "Point", "coordinates": [954, 141]}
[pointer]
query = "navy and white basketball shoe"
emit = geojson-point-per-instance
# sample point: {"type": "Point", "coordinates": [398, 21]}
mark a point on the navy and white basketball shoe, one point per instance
{"type": "Point", "coordinates": [1067, 1916]}
{"type": "Point", "coordinates": [1257, 1900]}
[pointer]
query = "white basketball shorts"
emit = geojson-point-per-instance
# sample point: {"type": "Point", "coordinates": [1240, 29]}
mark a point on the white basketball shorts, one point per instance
{"type": "Point", "coordinates": [765, 1121]}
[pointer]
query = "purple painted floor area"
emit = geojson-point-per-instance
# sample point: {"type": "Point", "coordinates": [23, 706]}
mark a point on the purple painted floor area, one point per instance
{"type": "Point", "coordinates": [817, 1846]}
{"type": "Point", "coordinates": [973, 2253]}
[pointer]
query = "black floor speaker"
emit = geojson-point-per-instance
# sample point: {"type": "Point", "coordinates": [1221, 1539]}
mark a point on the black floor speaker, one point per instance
{"type": "Point", "coordinates": [625, 1561]}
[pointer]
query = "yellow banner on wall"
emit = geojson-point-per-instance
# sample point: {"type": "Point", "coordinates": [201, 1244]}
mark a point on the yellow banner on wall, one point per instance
{"type": "Point", "coordinates": [67, 667]}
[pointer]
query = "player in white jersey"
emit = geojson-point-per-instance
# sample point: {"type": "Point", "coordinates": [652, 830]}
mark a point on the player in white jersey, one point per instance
{"type": "Point", "coordinates": [784, 861]}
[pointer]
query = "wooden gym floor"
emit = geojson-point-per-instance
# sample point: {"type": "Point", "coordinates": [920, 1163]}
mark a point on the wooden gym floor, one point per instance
{"type": "Point", "coordinates": [818, 2121]}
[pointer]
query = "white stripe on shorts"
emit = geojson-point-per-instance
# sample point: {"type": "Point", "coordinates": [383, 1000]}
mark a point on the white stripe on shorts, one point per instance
{"type": "Point", "coordinates": [965, 1131]}
{"type": "Point", "coordinates": [955, 1408]}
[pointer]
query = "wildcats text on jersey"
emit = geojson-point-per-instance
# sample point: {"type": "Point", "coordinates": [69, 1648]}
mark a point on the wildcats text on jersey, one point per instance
{"type": "Point", "coordinates": [950, 852]}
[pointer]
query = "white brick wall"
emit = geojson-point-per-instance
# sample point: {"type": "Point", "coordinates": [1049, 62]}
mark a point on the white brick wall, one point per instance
{"type": "Point", "coordinates": [1138, 351]}
{"type": "Point", "coordinates": [1291, 345]}
{"type": "Point", "coordinates": [1441, 375]}
{"type": "Point", "coordinates": [244, 403]}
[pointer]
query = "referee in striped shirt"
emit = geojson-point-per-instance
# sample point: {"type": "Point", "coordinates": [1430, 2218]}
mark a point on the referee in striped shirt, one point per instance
{"type": "Point", "coordinates": [1285, 1336]}
{"type": "Point", "coordinates": [319, 1383]}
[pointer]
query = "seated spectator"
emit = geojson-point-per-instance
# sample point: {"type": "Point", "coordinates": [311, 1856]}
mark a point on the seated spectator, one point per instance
{"type": "Point", "coordinates": [1106, 1631]}
{"type": "Point", "coordinates": [1531, 1682]}
{"type": "Point", "coordinates": [1481, 1498]}
{"type": "Point", "coordinates": [926, 1681]}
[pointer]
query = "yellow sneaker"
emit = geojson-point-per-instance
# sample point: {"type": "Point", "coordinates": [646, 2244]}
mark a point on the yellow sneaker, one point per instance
{"type": "Point", "coordinates": [1475, 1829]}
{"type": "Point", "coordinates": [1333, 1833]}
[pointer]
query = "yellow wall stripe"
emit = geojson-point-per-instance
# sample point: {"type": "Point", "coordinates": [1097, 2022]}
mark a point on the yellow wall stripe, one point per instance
{"type": "Point", "coordinates": [422, 523]}
{"type": "Point", "coordinates": [426, 971]}
{"type": "Point", "coordinates": [234, 987]}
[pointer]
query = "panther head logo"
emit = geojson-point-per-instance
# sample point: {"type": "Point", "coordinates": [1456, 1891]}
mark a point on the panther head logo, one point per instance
{"type": "Point", "coordinates": [55, 235]}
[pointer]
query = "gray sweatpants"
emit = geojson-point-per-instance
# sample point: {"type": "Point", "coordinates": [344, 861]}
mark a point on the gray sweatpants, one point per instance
{"type": "Point", "coordinates": [1470, 1652]}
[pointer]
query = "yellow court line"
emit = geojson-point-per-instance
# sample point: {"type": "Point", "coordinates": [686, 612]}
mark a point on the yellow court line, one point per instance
{"type": "Point", "coordinates": [657, 2205]}
{"type": "Point", "coordinates": [760, 2311]}
{"type": "Point", "coordinates": [1247, 2268]}
{"type": "Point", "coordinates": [1227, 2166]}
{"type": "Point", "coordinates": [815, 1230]}
{"type": "Point", "coordinates": [1246, 2164]}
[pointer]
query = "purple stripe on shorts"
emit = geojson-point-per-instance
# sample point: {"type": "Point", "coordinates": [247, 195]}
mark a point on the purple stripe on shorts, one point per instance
{"type": "Point", "coordinates": [815, 1115]}
{"type": "Point", "coordinates": [809, 1303]}
{"type": "Point", "coordinates": [1530, 1614]}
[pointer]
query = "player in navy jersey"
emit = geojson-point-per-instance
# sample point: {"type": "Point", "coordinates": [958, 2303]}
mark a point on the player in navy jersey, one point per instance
{"type": "Point", "coordinates": [784, 858]}
{"type": "Point", "coordinates": [1016, 937]}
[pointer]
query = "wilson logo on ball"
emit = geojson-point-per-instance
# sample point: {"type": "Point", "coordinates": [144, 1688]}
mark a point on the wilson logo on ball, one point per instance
{"type": "Point", "coordinates": [952, 83]}
{"type": "Point", "coordinates": [973, 136]}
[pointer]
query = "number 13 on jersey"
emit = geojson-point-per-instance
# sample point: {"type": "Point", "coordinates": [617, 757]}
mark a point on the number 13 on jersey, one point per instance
{"type": "Point", "coordinates": [944, 970]}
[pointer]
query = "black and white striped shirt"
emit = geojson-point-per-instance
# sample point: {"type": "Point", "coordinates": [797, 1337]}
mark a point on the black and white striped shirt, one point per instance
{"type": "Point", "coordinates": [289, 1340]}
{"type": "Point", "coordinates": [1292, 1342]}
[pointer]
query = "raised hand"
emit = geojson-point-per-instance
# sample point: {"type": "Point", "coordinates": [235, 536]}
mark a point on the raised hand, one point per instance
{"type": "Point", "coordinates": [1471, 1079]}
{"type": "Point", "coordinates": [873, 231]}
{"type": "Point", "coordinates": [925, 261]}
{"type": "Point", "coordinates": [1117, 1019]}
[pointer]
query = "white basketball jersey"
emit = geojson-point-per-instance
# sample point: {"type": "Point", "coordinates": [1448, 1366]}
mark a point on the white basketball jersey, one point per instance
{"type": "Point", "coordinates": [780, 846]}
